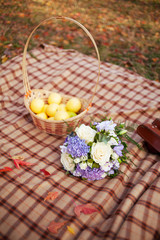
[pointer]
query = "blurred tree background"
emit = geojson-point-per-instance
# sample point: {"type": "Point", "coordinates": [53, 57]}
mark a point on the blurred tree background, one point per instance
{"type": "Point", "coordinates": [127, 32]}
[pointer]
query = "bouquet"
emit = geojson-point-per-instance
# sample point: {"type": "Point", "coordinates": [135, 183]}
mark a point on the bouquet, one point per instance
{"type": "Point", "coordinates": [96, 151]}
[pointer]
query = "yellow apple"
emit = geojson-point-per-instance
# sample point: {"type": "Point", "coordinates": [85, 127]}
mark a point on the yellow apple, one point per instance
{"type": "Point", "coordinates": [72, 114]}
{"type": "Point", "coordinates": [37, 105]}
{"type": "Point", "coordinates": [45, 107]}
{"type": "Point", "coordinates": [61, 115]}
{"type": "Point", "coordinates": [51, 109]}
{"type": "Point", "coordinates": [73, 105]}
{"type": "Point", "coordinates": [51, 118]}
{"type": "Point", "coordinates": [54, 98]}
{"type": "Point", "coordinates": [62, 107]}
{"type": "Point", "coordinates": [42, 115]}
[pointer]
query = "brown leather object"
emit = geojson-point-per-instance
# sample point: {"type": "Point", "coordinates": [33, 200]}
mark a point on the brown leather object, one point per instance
{"type": "Point", "coordinates": [151, 135]}
{"type": "Point", "coordinates": [156, 123]}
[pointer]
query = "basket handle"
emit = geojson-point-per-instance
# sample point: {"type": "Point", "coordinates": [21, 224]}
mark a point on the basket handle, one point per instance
{"type": "Point", "coordinates": [24, 63]}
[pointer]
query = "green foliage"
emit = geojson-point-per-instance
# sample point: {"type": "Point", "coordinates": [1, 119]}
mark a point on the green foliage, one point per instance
{"type": "Point", "coordinates": [128, 138]}
{"type": "Point", "coordinates": [126, 32]}
{"type": "Point", "coordinates": [95, 165]}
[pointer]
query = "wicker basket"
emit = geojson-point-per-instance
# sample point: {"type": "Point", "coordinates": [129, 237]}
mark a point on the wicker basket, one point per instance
{"type": "Point", "coordinates": [54, 127]}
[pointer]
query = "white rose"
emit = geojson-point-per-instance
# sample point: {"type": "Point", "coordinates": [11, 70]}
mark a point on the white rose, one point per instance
{"type": "Point", "coordinates": [86, 133]}
{"type": "Point", "coordinates": [101, 152]}
{"type": "Point", "coordinates": [67, 162]}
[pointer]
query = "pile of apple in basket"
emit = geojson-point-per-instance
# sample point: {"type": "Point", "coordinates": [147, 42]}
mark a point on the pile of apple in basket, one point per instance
{"type": "Point", "coordinates": [55, 109]}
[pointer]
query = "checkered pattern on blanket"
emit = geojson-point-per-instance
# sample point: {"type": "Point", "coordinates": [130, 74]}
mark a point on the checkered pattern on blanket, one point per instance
{"type": "Point", "coordinates": [129, 204]}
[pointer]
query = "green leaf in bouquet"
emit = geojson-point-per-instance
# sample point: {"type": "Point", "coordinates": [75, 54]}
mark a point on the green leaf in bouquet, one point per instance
{"type": "Point", "coordinates": [103, 138]}
{"type": "Point", "coordinates": [116, 172]}
{"type": "Point", "coordinates": [95, 165]}
{"type": "Point", "coordinates": [90, 144]}
{"type": "Point", "coordinates": [123, 131]}
{"type": "Point", "coordinates": [130, 126]}
{"type": "Point", "coordinates": [128, 138]}
{"type": "Point", "coordinates": [71, 156]}
{"type": "Point", "coordinates": [90, 160]}
{"type": "Point", "coordinates": [84, 178]}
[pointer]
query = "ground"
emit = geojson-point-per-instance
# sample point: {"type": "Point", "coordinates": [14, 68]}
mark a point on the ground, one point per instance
{"type": "Point", "coordinates": [127, 32]}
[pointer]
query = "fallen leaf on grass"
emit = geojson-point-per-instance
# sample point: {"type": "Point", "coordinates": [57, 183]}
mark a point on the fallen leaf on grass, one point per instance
{"type": "Point", "coordinates": [85, 208]}
{"type": "Point", "coordinates": [36, 36]}
{"type": "Point", "coordinates": [54, 226]}
{"type": "Point", "coordinates": [4, 58]}
{"type": "Point", "coordinates": [6, 169]}
{"type": "Point", "coordinates": [51, 196]}
{"type": "Point", "coordinates": [21, 15]}
{"type": "Point", "coordinates": [155, 59]}
{"type": "Point", "coordinates": [46, 173]}
{"type": "Point", "coordinates": [71, 230]}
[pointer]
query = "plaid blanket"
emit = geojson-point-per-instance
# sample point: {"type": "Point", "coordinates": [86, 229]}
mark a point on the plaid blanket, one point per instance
{"type": "Point", "coordinates": [128, 205]}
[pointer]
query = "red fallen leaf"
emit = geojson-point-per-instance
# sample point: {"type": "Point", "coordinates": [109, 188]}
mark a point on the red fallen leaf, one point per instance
{"type": "Point", "coordinates": [46, 34]}
{"type": "Point", "coordinates": [46, 173]}
{"type": "Point", "coordinates": [16, 164]}
{"type": "Point", "coordinates": [51, 196]}
{"type": "Point", "coordinates": [6, 169]}
{"type": "Point", "coordinates": [18, 160]}
{"type": "Point", "coordinates": [3, 38]}
{"type": "Point", "coordinates": [54, 226]}
{"type": "Point", "coordinates": [36, 36]}
{"type": "Point", "coordinates": [133, 48]}
{"type": "Point", "coordinates": [85, 208]}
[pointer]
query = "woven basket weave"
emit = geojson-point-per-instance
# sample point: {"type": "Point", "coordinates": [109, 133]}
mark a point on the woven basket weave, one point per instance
{"type": "Point", "coordinates": [54, 127]}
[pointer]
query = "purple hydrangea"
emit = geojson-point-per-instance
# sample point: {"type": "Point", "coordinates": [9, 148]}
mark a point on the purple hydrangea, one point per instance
{"type": "Point", "coordinates": [107, 125]}
{"type": "Point", "coordinates": [66, 140]}
{"type": "Point", "coordinates": [77, 147]}
{"type": "Point", "coordinates": [90, 174]}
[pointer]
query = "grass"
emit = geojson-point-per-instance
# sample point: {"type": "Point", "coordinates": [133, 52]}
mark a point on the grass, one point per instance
{"type": "Point", "coordinates": [127, 32]}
